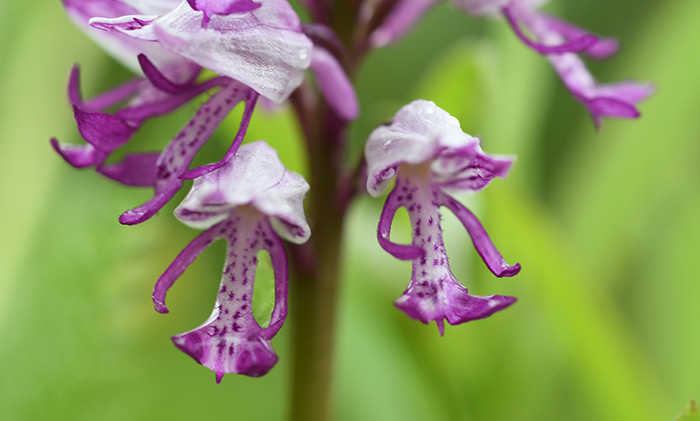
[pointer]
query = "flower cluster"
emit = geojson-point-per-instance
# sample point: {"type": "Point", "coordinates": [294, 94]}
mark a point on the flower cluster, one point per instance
{"type": "Point", "coordinates": [242, 52]}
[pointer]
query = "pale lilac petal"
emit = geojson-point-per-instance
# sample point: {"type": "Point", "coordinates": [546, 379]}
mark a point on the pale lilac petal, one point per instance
{"type": "Point", "coordinates": [222, 7]}
{"type": "Point", "coordinates": [152, 7]}
{"type": "Point", "coordinates": [134, 170]}
{"type": "Point", "coordinates": [124, 49]}
{"type": "Point", "coordinates": [263, 49]}
{"type": "Point", "coordinates": [482, 242]}
{"type": "Point", "coordinates": [481, 7]}
{"type": "Point", "coordinates": [404, 15]}
{"type": "Point", "coordinates": [179, 153]}
{"type": "Point", "coordinates": [334, 83]}
{"type": "Point", "coordinates": [400, 251]}
{"type": "Point", "coordinates": [254, 176]}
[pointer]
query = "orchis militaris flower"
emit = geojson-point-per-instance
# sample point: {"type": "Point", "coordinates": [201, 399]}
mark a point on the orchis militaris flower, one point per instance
{"type": "Point", "coordinates": [257, 48]}
{"type": "Point", "coordinates": [559, 41]}
{"type": "Point", "coordinates": [250, 202]}
{"type": "Point", "coordinates": [431, 157]}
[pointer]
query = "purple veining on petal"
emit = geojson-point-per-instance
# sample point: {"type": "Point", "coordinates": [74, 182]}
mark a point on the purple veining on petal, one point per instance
{"type": "Point", "coordinates": [255, 176]}
{"type": "Point", "coordinates": [404, 15]}
{"type": "Point", "coordinates": [334, 84]}
{"type": "Point", "coordinates": [580, 43]}
{"type": "Point", "coordinates": [400, 251]}
{"type": "Point", "coordinates": [179, 153]}
{"type": "Point", "coordinates": [468, 168]}
{"type": "Point", "coordinates": [250, 101]}
{"type": "Point", "coordinates": [263, 48]}
{"type": "Point", "coordinates": [433, 293]}
{"type": "Point", "coordinates": [482, 242]}
{"type": "Point", "coordinates": [231, 340]}
{"type": "Point", "coordinates": [221, 7]}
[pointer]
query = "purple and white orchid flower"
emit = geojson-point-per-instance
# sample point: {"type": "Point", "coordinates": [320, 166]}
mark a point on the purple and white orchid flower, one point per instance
{"type": "Point", "coordinates": [430, 156]}
{"type": "Point", "coordinates": [257, 48]}
{"type": "Point", "coordinates": [252, 203]}
{"type": "Point", "coordinates": [559, 41]}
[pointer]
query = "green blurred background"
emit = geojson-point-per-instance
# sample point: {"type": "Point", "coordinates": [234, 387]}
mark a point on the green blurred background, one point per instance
{"type": "Point", "coordinates": [605, 225]}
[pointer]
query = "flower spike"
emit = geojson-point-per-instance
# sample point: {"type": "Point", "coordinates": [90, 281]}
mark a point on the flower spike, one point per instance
{"type": "Point", "coordinates": [252, 202]}
{"type": "Point", "coordinates": [425, 149]}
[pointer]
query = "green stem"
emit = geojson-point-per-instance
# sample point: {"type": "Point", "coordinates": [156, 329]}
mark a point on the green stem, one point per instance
{"type": "Point", "coordinates": [314, 292]}
{"type": "Point", "coordinates": [316, 265]}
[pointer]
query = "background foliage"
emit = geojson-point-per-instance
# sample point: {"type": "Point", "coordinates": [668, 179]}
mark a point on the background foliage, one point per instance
{"type": "Point", "coordinates": [604, 224]}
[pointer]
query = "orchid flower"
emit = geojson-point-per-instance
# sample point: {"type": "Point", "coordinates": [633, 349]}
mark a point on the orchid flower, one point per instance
{"type": "Point", "coordinates": [430, 156]}
{"type": "Point", "coordinates": [257, 48]}
{"type": "Point", "coordinates": [559, 41]}
{"type": "Point", "coordinates": [253, 202]}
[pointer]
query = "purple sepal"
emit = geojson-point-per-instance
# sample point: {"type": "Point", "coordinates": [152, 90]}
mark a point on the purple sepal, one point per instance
{"type": "Point", "coordinates": [482, 242]}
{"type": "Point", "coordinates": [404, 15]}
{"type": "Point", "coordinates": [79, 156]}
{"type": "Point", "coordinates": [400, 251]}
{"type": "Point", "coordinates": [222, 7]}
{"type": "Point", "coordinates": [106, 132]}
{"type": "Point", "coordinates": [135, 170]}
{"type": "Point", "coordinates": [450, 300]}
{"type": "Point", "coordinates": [160, 81]}
{"type": "Point", "coordinates": [334, 84]}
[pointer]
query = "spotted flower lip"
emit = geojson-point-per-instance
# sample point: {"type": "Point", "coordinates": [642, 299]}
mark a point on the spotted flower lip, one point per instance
{"type": "Point", "coordinates": [430, 156]}
{"type": "Point", "coordinates": [251, 203]}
